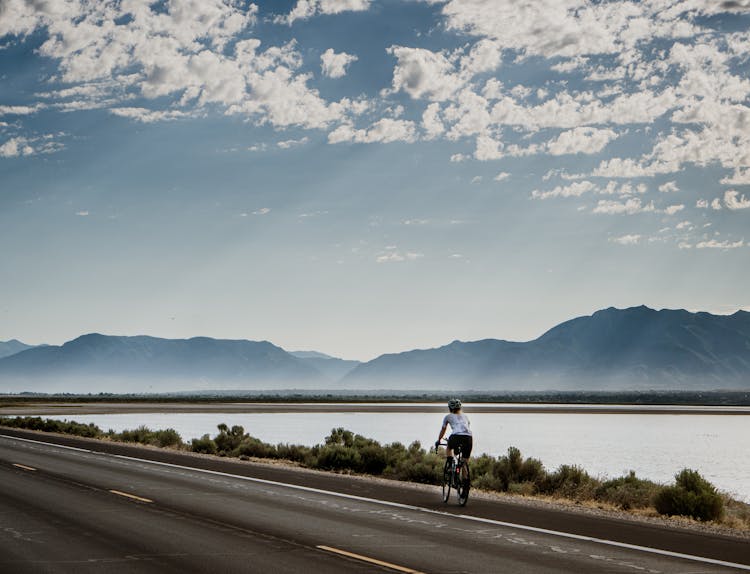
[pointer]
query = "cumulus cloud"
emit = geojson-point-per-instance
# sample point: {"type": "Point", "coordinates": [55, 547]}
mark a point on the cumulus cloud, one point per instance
{"type": "Point", "coordinates": [733, 200]}
{"type": "Point", "coordinates": [194, 54]}
{"type": "Point", "coordinates": [386, 130]}
{"type": "Point", "coordinates": [287, 144]}
{"type": "Point", "coordinates": [425, 74]}
{"type": "Point", "coordinates": [392, 255]}
{"type": "Point", "coordinates": [626, 239]}
{"type": "Point", "coordinates": [27, 146]}
{"type": "Point", "coordinates": [334, 65]}
{"type": "Point", "coordinates": [739, 177]}
{"type": "Point", "coordinates": [502, 176]}
{"type": "Point", "coordinates": [672, 209]}
{"type": "Point", "coordinates": [19, 110]}
{"type": "Point", "coordinates": [715, 244]}
{"type": "Point", "coordinates": [305, 9]}
{"type": "Point", "coordinates": [586, 140]}
{"type": "Point", "coordinates": [669, 187]}
{"type": "Point", "coordinates": [575, 189]}
{"type": "Point", "coordinates": [488, 148]}
{"type": "Point", "coordinates": [148, 116]}
{"type": "Point", "coordinates": [631, 206]}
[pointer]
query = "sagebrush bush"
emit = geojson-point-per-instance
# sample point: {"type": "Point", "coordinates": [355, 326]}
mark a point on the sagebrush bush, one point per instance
{"type": "Point", "coordinates": [144, 435]}
{"type": "Point", "coordinates": [204, 445]}
{"type": "Point", "coordinates": [627, 492]}
{"type": "Point", "coordinates": [569, 481]}
{"type": "Point", "coordinates": [691, 495]}
{"type": "Point", "coordinates": [51, 425]}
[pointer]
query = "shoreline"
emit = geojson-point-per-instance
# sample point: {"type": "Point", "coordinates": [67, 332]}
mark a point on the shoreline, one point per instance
{"type": "Point", "coordinates": [101, 408]}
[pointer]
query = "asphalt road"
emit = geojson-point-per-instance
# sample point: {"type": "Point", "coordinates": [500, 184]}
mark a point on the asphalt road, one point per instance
{"type": "Point", "coordinates": [97, 507]}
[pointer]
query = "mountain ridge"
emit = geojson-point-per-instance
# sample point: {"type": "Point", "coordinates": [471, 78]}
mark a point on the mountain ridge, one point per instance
{"type": "Point", "coordinates": [637, 348]}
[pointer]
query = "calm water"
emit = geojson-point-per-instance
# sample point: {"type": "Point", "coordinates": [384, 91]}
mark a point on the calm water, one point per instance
{"type": "Point", "coordinates": [655, 446]}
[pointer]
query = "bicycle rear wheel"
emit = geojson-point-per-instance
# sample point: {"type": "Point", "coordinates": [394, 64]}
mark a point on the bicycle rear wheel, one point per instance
{"type": "Point", "coordinates": [447, 478]}
{"type": "Point", "coordinates": [464, 484]}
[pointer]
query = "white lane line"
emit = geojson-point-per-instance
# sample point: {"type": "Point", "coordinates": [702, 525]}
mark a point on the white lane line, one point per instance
{"type": "Point", "coordinates": [557, 533]}
{"type": "Point", "coordinates": [23, 466]}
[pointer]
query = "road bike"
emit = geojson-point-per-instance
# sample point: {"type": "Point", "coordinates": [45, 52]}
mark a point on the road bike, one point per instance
{"type": "Point", "coordinates": [456, 475]}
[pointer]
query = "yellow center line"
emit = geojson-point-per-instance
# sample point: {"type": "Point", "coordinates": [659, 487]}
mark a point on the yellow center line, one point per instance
{"type": "Point", "coordinates": [133, 496]}
{"type": "Point", "coordinates": [23, 466]}
{"type": "Point", "coordinates": [369, 560]}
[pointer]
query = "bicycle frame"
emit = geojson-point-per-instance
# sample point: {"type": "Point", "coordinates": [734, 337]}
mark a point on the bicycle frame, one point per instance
{"type": "Point", "coordinates": [452, 476]}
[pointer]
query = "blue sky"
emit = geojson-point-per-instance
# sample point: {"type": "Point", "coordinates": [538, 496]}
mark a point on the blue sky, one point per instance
{"type": "Point", "coordinates": [361, 176]}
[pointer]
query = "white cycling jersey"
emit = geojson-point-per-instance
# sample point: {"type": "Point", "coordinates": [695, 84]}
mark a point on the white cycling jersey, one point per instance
{"type": "Point", "coordinates": [459, 424]}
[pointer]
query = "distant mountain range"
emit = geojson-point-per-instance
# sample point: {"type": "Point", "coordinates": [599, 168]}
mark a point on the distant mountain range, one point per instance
{"type": "Point", "coordinates": [613, 349]}
{"type": "Point", "coordinates": [8, 348]}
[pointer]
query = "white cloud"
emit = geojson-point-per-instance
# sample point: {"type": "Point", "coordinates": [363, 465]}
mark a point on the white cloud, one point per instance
{"type": "Point", "coordinates": [502, 176]}
{"type": "Point", "coordinates": [149, 116]}
{"type": "Point", "coordinates": [733, 200]}
{"type": "Point", "coordinates": [476, 179]}
{"type": "Point", "coordinates": [305, 9]}
{"type": "Point", "coordinates": [424, 74]}
{"type": "Point", "coordinates": [585, 140]}
{"type": "Point", "coordinates": [394, 256]}
{"type": "Point", "coordinates": [626, 239]}
{"type": "Point", "coordinates": [262, 211]}
{"type": "Point", "coordinates": [334, 65]}
{"type": "Point", "coordinates": [386, 130]}
{"type": "Point", "coordinates": [739, 177]}
{"type": "Point", "coordinates": [19, 110]}
{"type": "Point", "coordinates": [23, 146]}
{"type": "Point", "coordinates": [431, 122]}
{"type": "Point", "coordinates": [672, 209]}
{"type": "Point", "coordinates": [193, 53]}
{"type": "Point", "coordinates": [701, 204]}
{"type": "Point", "coordinates": [287, 144]}
{"type": "Point", "coordinates": [714, 244]}
{"type": "Point", "coordinates": [669, 187]}
{"type": "Point", "coordinates": [575, 189]}
{"type": "Point", "coordinates": [82, 213]}
{"type": "Point", "coordinates": [631, 206]}
{"type": "Point", "coordinates": [716, 204]}
{"type": "Point", "coordinates": [488, 148]}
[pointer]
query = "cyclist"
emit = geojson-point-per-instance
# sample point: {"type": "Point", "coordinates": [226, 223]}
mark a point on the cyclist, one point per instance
{"type": "Point", "coordinates": [460, 431]}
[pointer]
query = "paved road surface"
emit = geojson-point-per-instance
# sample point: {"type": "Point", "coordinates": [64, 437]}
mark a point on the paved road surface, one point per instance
{"type": "Point", "coordinates": [79, 511]}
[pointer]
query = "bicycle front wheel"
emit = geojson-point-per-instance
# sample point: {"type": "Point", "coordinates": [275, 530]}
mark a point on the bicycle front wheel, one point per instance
{"type": "Point", "coordinates": [464, 484]}
{"type": "Point", "coordinates": [447, 478]}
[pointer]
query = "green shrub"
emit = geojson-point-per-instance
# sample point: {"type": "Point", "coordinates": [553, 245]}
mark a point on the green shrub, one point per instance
{"type": "Point", "coordinates": [627, 492]}
{"type": "Point", "coordinates": [296, 453]}
{"type": "Point", "coordinates": [692, 495]}
{"type": "Point", "coordinates": [51, 425]}
{"type": "Point", "coordinates": [569, 481]}
{"type": "Point", "coordinates": [204, 445]}
{"type": "Point", "coordinates": [228, 440]}
{"type": "Point", "coordinates": [251, 446]}
{"type": "Point", "coordinates": [166, 438]}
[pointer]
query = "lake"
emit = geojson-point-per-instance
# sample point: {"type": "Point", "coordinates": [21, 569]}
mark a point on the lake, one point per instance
{"type": "Point", "coordinates": [655, 446]}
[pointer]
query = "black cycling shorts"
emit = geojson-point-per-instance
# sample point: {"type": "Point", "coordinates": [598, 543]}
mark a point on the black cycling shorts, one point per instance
{"type": "Point", "coordinates": [464, 441]}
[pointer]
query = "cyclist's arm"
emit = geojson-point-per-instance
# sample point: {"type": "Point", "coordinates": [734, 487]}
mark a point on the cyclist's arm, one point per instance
{"type": "Point", "coordinates": [442, 432]}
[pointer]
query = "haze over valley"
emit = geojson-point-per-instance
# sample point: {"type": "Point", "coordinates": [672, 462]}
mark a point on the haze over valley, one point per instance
{"type": "Point", "coordinates": [630, 349]}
